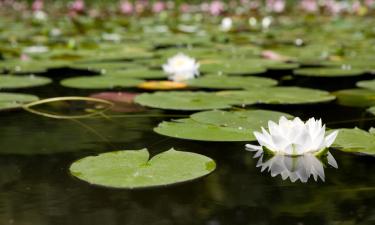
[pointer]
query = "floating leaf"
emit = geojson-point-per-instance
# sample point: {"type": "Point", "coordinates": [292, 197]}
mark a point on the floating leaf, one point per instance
{"type": "Point", "coordinates": [12, 81]}
{"type": "Point", "coordinates": [230, 82]}
{"type": "Point", "coordinates": [355, 97]}
{"type": "Point", "coordinates": [99, 82]}
{"type": "Point", "coordinates": [328, 72]}
{"type": "Point", "coordinates": [248, 119]}
{"type": "Point", "coordinates": [219, 125]}
{"type": "Point", "coordinates": [191, 130]}
{"type": "Point", "coordinates": [138, 73]}
{"type": "Point", "coordinates": [356, 141]}
{"type": "Point", "coordinates": [277, 95]}
{"type": "Point", "coordinates": [183, 100]}
{"type": "Point", "coordinates": [133, 169]}
{"type": "Point", "coordinates": [368, 84]}
{"type": "Point", "coordinates": [101, 67]}
{"type": "Point", "coordinates": [233, 68]}
{"type": "Point", "coordinates": [15, 100]}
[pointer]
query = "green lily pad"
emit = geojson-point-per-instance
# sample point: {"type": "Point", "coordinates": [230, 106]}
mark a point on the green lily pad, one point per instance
{"type": "Point", "coordinates": [219, 125]}
{"type": "Point", "coordinates": [189, 129]}
{"type": "Point", "coordinates": [368, 84]}
{"type": "Point", "coordinates": [246, 119]}
{"type": "Point", "coordinates": [15, 100]}
{"type": "Point", "coordinates": [355, 141]}
{"type": "Point", "coordinates": [355, 97]}
{"type": "Point", "coordinates": [100, 82]}
{"type": "Point", "coordinates": [328, 72]}
{"type": "Point", "coordinates": [137, 73]}
{"type": "Point", "coordinates": [231, 82]}
{"type": "Point", "coordinates": [134, 169]}
{"type": "Point", "coordinates": [183, 100]}
{"type": "Point", "coordinates": [371, 110]}
{"type": "Point", "coordinates": [232, 68]}
{"type": "Point", "coordinates": [10, 81]}
{"type": "Point", "coordinates": [32, 66]}
{"type": "Point", "coordinates": [103, 66]}
{"type": "Point", "coordinates": [277, 95]}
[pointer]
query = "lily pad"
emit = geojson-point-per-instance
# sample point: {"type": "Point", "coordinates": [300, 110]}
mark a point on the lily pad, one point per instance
{"type": "Point", "coordinates": [183, 100]}
{"type": "Point", "coordinates": [133, 169]}
{"type": "Point", "coordinates": [137, 73]}
{"type": "Point", "coordinates": [232, 68]}
{"type": "Point", "coordinates": [12, 81]}
{"type": "Point", "coordinates": [15, 100]}
{"type": "Point", "coordinates": [355, 97]}
{"type": "Point", "coordinates": [219, 125]}
{"type": "Point", "coordinates": [100, 82]}
{"type": "Point", "coordinates": [277, 95]}
{"type": "Point", "coordinates": [328, 72]}
{"type": "Point", "coordinates": [355, 141]}
{"type": "Point", "coordinates": [231, 82]}
{"type": "Point", "coordinates": [368, 84]}
{"type": "Point", "coordinates": [101, 67]}
{"type": "Point", "coordinates": [190, 129]}
{"type": "Point", "coordinates": [247, 119]}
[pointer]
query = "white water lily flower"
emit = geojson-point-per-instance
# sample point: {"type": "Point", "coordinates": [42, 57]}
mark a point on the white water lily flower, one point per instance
{"type": "Point", "coordinates": [226, 24]}
{"type": "Point", "coordinates": [294, 137]}
{"type": "Point", "coordinates": [181, 67]}
{"type": "Point", "coordinates": [40, 15]}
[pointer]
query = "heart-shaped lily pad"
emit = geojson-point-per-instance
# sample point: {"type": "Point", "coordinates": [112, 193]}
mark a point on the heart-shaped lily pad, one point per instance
{"type": "Point", "coordinates": [368, 84]}
{"type": "Point", "coordinates": [231, 82]}
{"type": "Point", "coordinates": [133, 169]}
{"type": "Point", "coordinates": [355, 97]}
{"type": "Point", "coordinates": [183, 100]}
{"type": "Point", "coordinates": [328, 72]}
{"type": "Point", "coordinates": [99, 82]}
{"type": "Point", "coordinates": [355, 141]}
{"type": "Point", "coordinates": [10, 81]}
{"type": "Point", "coordinates": [15, 100]}
{"type": "Point", "coordinates": [219, 125]}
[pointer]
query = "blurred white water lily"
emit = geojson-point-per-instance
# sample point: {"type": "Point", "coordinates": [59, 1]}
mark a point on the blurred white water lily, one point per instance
{"type": "Point", "coordinates": [294, 137]}
{"type": "Point", "coordinates": [181, 67]}
{"type": "Point", "coordinates": [296, 167]}
{"type": "Point", "coordinates": [40, 15]}
{"type": "Point", "coordinates": [226, 24]}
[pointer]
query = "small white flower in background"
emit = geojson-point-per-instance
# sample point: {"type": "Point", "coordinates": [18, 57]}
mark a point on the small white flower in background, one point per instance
{"type": "Point", "coordinates": [40, 15]}
{"type": "Point", "coordinates": [226, 24]}
{"type": "Point", "coordinates": [181, 67]}
{"type": "Point", "coordinates": [294, 137]}
{"type": "Point", "coordinates": [266, 22]}
{"type": "Point", "coordinates": [38, 49]}
{"type": "Point", "coordinates": [55, 32]}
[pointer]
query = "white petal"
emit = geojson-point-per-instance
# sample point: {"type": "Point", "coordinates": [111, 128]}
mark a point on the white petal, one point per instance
{"type": "Point", "coordinates": [331, 138]}
{"type": "Point", "coordinates": [251, 147]}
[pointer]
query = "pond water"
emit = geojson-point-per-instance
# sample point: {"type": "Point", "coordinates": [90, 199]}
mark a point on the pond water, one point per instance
{"type": "Point", "coordinates": [36, 187]}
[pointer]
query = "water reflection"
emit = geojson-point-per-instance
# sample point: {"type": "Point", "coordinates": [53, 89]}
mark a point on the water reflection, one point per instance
{"type": "Point", "coordinates": [295, 167]}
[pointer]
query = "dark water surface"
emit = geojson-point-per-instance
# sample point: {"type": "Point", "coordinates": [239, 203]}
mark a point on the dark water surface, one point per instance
{"type": "Point", "coordinates": [36, 188]}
